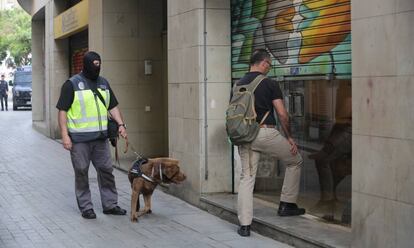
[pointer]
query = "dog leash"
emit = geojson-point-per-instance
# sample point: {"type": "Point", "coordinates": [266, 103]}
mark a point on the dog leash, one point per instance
{"type": "Point", "coordinates": [129, 145]}
{"type": "Point", "coordinates": [125, 151]}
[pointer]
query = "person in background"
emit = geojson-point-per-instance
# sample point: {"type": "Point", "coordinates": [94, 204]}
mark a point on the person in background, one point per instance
{"type": "Point", "coordinates": [4, 92]}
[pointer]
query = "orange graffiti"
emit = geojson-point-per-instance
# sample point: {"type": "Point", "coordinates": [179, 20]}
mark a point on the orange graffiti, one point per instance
{"type": "Point", "coordinates": [284, 19]}
{"type": "Point", "coordinates": [330, 28]}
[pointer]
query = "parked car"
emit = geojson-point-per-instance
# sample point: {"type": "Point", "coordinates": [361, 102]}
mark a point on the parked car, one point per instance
{"type": "Point", "coordinates": [22, 87]}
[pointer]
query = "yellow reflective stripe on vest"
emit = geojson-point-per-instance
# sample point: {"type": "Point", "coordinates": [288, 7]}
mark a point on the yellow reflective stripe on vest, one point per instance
{"type": "Point", "coordinates": [83, 120]}
{"type": "Point", "coordinates": [87, 127]}
{"type": "Point", "coordinates": [106, 98]}
{"type": "Point", "coordinates": [79, 94]}
{"type": "Point", "coordinates": [87, 113]}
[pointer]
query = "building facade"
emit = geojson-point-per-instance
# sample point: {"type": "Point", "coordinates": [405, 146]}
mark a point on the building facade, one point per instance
{"type": "Point", "coordinates": [171, 65]}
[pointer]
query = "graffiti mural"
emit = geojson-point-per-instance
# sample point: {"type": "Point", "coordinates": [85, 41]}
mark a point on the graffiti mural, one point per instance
{"type": "Point", "coordinates": [305, 37]}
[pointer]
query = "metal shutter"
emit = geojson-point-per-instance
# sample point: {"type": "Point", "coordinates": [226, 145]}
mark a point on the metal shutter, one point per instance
{"type": "Point", "coordinates": [307, 38]}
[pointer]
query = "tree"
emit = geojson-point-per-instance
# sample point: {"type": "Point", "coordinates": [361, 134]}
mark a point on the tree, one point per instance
{"type": "Point", "coordinates": [15, 37]}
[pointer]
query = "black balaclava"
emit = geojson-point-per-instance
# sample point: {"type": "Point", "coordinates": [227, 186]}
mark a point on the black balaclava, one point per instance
{"type": "Point", "coordinates": [90, 70]}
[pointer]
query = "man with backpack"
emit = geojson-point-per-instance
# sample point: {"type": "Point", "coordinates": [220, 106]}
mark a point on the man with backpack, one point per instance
{"type": "Point", "coordinates": [256, 133]}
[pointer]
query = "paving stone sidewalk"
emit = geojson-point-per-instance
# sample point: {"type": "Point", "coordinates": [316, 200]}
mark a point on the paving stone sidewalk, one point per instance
{"type": "Point", "coordinates": [38, 206]}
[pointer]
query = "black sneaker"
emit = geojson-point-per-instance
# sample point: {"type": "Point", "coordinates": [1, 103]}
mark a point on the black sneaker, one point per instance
{"type": "Point", "coordinates": [289, 209]}
{"type": "Point", "coordinates": [244, 231]}
{"type": "Point", "coordinates": [89, 214]}
{"type": "Point", "coordinates": [115, 211]}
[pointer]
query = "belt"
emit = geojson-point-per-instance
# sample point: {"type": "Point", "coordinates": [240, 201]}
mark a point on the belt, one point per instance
{"type": "Point", "coordinates": [267, 126]}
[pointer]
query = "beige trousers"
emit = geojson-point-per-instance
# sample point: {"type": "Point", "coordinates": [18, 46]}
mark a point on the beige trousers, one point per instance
{"type": "Point", "coordinates": [270, 141]}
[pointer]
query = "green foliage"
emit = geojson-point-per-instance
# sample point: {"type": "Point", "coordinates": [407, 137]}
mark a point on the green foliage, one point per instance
{"type": "Point", "coordinates": [15, 37]}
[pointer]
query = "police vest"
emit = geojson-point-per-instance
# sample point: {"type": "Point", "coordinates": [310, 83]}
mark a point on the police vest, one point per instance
{"type": "Point", "coordinates": [88, 116]}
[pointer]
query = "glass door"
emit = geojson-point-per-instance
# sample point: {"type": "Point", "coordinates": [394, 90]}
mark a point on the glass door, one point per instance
{"type": "Point", "coordinates": [321, 123]}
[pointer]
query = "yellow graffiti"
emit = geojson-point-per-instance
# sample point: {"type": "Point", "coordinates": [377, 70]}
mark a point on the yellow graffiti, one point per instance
{"type": "Point", "coordinates": [328, 30]}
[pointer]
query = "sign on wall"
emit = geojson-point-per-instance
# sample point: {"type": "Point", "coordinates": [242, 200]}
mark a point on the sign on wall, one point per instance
{"type": "Point", "coordinates": [73, 20]}
{"type": "Point", "coordinates": [304, 37]}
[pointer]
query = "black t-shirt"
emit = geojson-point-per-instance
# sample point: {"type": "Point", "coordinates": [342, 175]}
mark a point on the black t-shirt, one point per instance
{"type": "Point", "coordinates": [67, 95]}
{"type": "Point", "coordinates": [267, 91]}
{"type": "Point", "coordinates": [3, 87]}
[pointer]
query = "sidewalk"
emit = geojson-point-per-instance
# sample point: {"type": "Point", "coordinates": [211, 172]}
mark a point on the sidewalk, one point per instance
{"type": "Point", "coordinates": [38, 205]}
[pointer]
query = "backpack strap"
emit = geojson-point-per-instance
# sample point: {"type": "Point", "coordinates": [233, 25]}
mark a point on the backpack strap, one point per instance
{"type": "Point", "coordinates": [98, 94]}
{"type": "Point", "coordinates": [253, 85]}
{"type": "Point", "coordinates": [264, 117]}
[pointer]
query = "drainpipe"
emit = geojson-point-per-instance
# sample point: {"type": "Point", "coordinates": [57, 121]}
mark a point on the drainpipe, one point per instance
{"type": "Point", "coordinates": [205, 94]}
{"type": "Point", "coordinates": [232, 169]}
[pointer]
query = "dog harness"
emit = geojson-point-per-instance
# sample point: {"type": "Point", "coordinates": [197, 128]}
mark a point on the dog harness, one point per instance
{"type": "Point", "coordinates": [137, 172]}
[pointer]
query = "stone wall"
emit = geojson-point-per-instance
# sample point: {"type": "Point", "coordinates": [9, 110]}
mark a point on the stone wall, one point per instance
{"type": "Point", "coordinates": [132, 32]}
{"type": "Point", "coordinates": [190, 62]}
{"type": "Point", "coordinates": [38, 74]}
{"type": "Point", "coordinates": [383, 123]}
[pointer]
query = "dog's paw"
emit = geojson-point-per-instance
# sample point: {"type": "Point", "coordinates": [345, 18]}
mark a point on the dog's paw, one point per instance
{"type": "Point", "coordinates": [149, 211]}
{"type": "Point", "coordinates": [134, 218]}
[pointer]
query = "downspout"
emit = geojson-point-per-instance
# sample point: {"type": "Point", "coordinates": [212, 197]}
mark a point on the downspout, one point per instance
{"type": "Point", "coordinates": [205, 92]}
{"type": "Point", "coordinates": [232, 169]}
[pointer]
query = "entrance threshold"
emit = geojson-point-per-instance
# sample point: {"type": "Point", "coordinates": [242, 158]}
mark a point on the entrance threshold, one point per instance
{"type": "Point", "coordinates": [299, 231]}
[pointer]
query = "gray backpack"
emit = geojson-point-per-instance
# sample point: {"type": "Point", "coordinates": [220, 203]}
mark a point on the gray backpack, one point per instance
{"type": "Point", "coordinates": [241, 125]}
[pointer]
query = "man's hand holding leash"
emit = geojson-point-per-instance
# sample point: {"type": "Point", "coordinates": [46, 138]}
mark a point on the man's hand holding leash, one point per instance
{"type": "Point", "coordinates": [122, 131]}
{"type": "Point", "coordinates": [116, 115]}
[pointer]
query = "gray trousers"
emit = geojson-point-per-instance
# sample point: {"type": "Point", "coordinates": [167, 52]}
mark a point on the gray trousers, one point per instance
{"type": "Point", "coordinates": [269, 141]}
{"type": "Point", "coordinates": [99, 154]}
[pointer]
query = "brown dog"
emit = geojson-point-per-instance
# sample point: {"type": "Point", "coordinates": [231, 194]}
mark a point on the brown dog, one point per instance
{"type": "Point", "coordinates": [145, 179]}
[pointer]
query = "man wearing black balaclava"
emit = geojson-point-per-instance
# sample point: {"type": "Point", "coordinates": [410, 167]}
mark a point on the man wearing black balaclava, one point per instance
{"type": "Point", "coordinates": [91, 70]}
{"type": "Point", "coordinates": [84, 103]}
